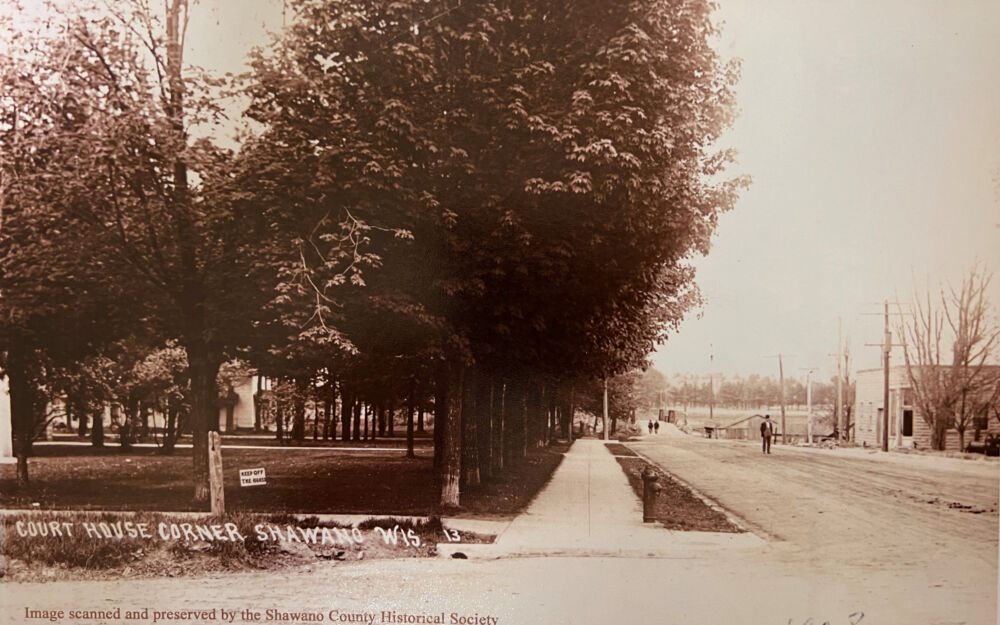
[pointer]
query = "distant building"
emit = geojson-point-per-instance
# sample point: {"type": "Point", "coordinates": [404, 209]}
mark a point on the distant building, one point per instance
{"type": "Point", "coordinates": [906, 425]}
{"type": "Point", "coordinates": [241, 403]}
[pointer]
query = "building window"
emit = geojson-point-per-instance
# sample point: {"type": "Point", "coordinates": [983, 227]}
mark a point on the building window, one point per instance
{"type": "Point", "coordinates": [980, 422]}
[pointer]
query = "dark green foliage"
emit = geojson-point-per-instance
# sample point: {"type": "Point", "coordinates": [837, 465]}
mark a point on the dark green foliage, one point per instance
{"type": "Point", "coordinates": [504, 190]}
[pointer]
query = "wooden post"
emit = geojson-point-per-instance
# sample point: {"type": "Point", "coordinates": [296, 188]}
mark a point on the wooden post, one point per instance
{"type": "Point", "coordinates": [605, 411]}
{"type": "Point", "coordinates": [216, 492]}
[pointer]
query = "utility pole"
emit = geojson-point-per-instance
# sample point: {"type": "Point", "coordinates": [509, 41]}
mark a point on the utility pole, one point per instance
{"type": "Point", "coordinates": [886, 346]}
{"type": "Point", "coordinates": [711, 385]}
{"type": "Point", "coordinates": [839, 416]}
{"type": "Point", "coordinates": [809, 402]}
{"type": "Point", "coordinates": [886, 350]}
{"type": "Point", "coordinates": [841, 426]}
{"type": "Point", "coordinates": [781, 382]}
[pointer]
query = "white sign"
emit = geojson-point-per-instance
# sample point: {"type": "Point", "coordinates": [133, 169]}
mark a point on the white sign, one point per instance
{"type": "Point", "coordinates": [252, 477]}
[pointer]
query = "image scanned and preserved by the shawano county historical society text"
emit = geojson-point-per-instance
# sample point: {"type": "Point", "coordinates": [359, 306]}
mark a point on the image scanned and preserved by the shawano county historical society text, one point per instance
{"type": "Point", "coordinates": [499, 312]}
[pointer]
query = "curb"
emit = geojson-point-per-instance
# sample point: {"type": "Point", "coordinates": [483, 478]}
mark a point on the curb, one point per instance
{"type": "Point", "coordinates": [742, 524]}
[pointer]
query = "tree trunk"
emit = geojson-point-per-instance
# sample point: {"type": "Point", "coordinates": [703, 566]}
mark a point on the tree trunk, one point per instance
{"type": "Point", "coordinates": [299, 412]}
{"type": "Point", "coordinates": [567, 422]}
{"type": "Point", "coordinates": [380, 411]}
{"type": "Point", "coordinates": [939, 434]}
{"type": "Point", "coordinates": [553, 430]}
{"type": "Point", "coordinates": [257, 403]}
{"type": "Point", "coordinates": [497, 408]}
{"type": "Point", "coordinates": [144, 410]}
{"type": "Point", "coordinates": [449, 394]}
{"type": "Point", "coordinates": [440, 407]}
{"type": "Point", "coordinates": [327, 417]}
{"type": "Point", "coordinates": [469, 436]}
{"type": "Point", "coordinates": [204, 370]}
{"type": "Point", "coordinates": [82, 430]}
{"type": "Point", "coordinates": [514, 435]}
{"type": "Point", "coordinates": [523, 424]}
{"type": "Point", "coordinates": [346, 410]}
{"type": "Point", "coordinates": [358, 406]}
{"type": "Point", "coordinates": [532, 400]}
{"type": "Point", "coordinates": [132, 421]}
{"type": "Point", "coordinates": [279, 421]}
{"type": "Point", "coordinates": [420, 419]}
{"type": "Point", "coordinates": [97, 431]}
{"type": "Point", "coordinates": [333, 410]}
{"type": "Point", "coordinates": [22, 408]}
{"type": "Point", "coordinates": [124, 434]}
{"type": "Point", "coordinates": [70, 412]}
{"type": "Point", "coordinates": [170, 429]}
{"type": "Point", "coordinates": [391, 420]}
{"type": "Point", "coordinates": [484, 434]}
{"type": "Point", "coordinates": [409, 421]}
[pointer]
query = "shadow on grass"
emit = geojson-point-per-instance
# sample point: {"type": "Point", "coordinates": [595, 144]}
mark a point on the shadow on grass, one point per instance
{"type": "Point", "coordinates": [328, 481]}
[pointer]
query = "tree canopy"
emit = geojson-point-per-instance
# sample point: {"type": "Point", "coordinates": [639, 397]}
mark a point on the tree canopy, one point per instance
{"type": "Point", "coordinates": [492, 199]}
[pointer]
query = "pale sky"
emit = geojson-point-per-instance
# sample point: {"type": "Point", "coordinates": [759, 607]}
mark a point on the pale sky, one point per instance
{"type": "Point", "coordinates": [872, 132]}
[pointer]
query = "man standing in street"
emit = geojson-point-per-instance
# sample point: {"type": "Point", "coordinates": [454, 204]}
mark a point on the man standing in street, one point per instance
{"type": "Point", "coordinates": [766, 432]}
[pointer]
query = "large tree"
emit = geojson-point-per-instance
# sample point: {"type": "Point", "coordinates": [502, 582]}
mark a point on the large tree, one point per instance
{"type": "Point", "coordinates": [97, 123]}
{"type": "Point", "coordinates": [950, 347]}
{"type": "Point", "coordinates": [533, 176]}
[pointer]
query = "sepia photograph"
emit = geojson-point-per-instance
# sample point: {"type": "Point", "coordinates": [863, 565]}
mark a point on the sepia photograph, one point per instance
{"type": "Point", "coordinates": [499, 312]}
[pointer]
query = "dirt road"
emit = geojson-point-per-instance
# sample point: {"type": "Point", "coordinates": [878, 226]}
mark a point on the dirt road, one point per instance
{"type": "Point", "coordinates": [924, 529]}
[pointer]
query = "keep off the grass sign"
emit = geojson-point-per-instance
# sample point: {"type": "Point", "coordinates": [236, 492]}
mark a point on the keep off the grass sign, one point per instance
{"type": "Point", "coordinates": [252, 477]}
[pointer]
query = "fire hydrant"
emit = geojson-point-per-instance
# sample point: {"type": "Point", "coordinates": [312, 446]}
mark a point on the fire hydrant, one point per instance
{"type": "Point", "coordinates": [650, 488]}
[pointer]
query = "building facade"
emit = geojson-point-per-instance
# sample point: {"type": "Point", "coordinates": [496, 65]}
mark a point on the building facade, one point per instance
{"type": "Point", "coordinates": [907, 427]}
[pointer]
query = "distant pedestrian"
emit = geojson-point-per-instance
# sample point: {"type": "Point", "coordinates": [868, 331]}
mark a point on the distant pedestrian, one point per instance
{"type": "Point", "coordinates": [766, 432]}
{"type": "Point", "coordinates": [650, 426]}
{"type": "Point", "coordinates": [656, 427]}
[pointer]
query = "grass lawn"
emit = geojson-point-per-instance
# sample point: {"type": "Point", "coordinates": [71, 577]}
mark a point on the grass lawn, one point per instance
{"type": "Point", "coordinates": [298, 481]}
{"type": "Point", "coordinates": [137, 487]}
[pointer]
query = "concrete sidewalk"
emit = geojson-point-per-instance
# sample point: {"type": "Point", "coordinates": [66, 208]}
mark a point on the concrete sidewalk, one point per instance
{"type": "Point", "coordinates": [588, 509]}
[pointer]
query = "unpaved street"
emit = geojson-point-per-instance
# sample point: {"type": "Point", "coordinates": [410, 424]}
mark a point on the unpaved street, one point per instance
{"type": "Point", "coordinates": [925, 526]}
